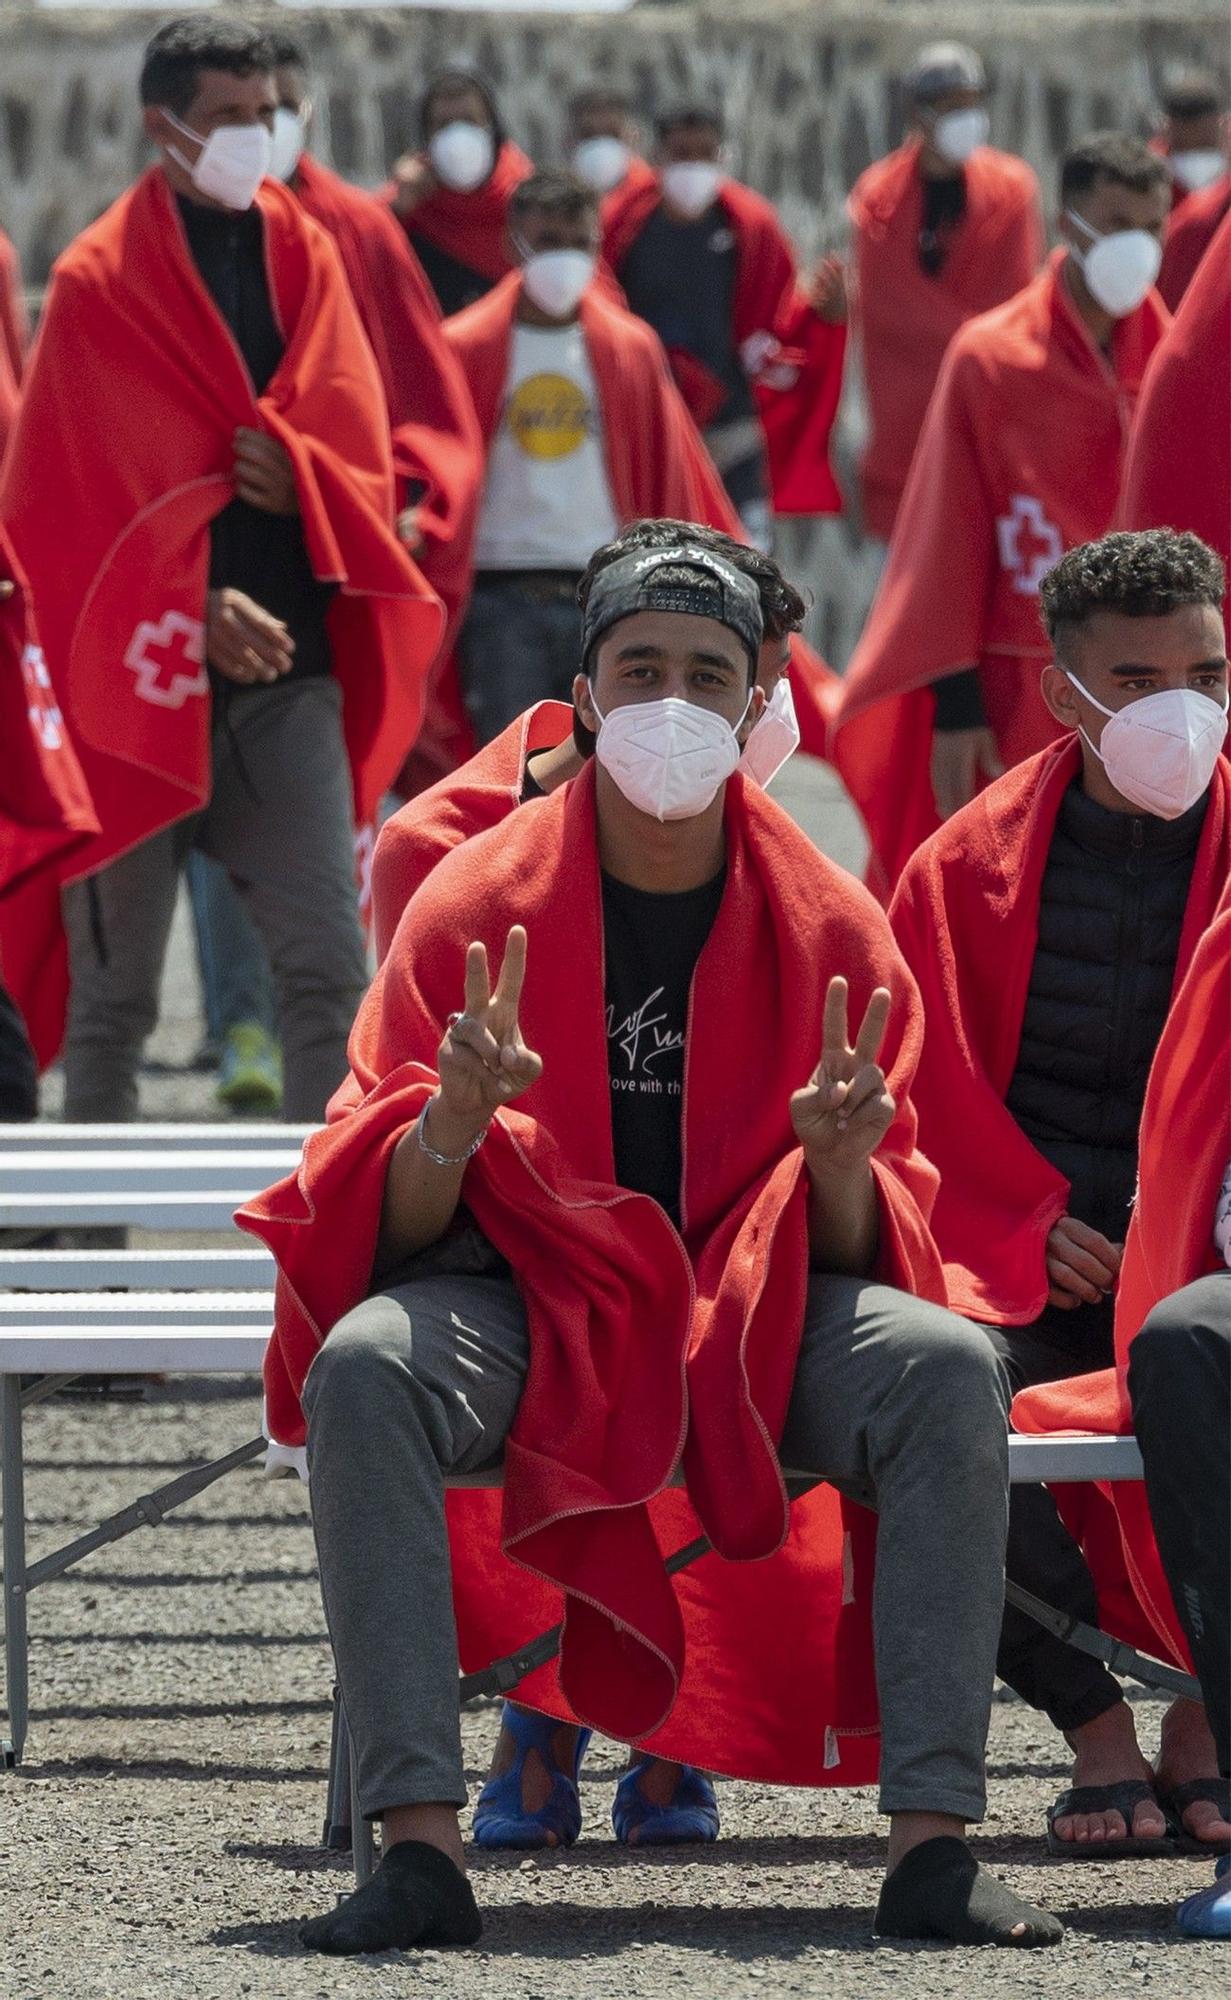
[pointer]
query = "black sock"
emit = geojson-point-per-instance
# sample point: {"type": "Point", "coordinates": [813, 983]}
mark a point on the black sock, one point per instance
{"type": "Point", "coordinates": [416, 1897]}
{"type": "Point", "coordinates": [939, 1890]}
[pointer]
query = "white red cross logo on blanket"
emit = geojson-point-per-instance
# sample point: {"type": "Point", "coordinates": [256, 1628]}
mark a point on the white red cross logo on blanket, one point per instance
{"type": "Point", "coordinates": [168, 658]}
{"type": "Point", "coordinates": [45, 718]}
{"type": "Point", "coordinates": [1030, 544]}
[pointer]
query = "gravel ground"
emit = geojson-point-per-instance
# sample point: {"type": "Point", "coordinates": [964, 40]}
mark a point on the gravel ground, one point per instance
{"type": "Point", "coordinates": [165, 1825]}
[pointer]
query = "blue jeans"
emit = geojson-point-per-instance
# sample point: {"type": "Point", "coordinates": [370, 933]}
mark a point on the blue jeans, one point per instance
{"type": "Point", "coordinates": [235, 979]}
{"type": "Point", "coordinates": [520, 643]}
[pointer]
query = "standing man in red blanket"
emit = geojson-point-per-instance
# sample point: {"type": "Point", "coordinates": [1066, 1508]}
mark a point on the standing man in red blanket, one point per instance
{"type": "Point", "coordinates": [584, 432]}
{"type": "Point", "coordinates": [452, 196]}
{"type": "Point", "coordinates": [1049, 924]}
{"type": "Point", "coordinates": [437, 453]}
{"type": "Point", "coordinates": [604, 144]}
{"type": "Point", "coordinates": [608, 1245]}
{"type": "Point", "coordinates": [758, 359]}
{"type": "Point", "coordinates": [1187, 394]}
{"type": "Point", "coordinates": [944, 228]}
{"type": "Point", "coordinates": [1021, 457]}
{"type": "Point", "coordinates": [1195, 140]}
{"type": "Point", "coordinates": [232, 614]}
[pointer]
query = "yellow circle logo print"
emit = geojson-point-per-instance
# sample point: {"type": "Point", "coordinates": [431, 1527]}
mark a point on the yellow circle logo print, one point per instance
{"type": "Point", "coordinates": [549, 416]}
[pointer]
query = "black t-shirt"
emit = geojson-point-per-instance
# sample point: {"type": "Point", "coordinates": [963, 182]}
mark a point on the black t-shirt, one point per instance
{"type": "Point", "coordinates": [680, 276]}
{"type": "Point", "coordinates": [944, 205]}
{"type": "Point", "coordinates": [652, 944]}
{"type": "Point", "coordinates": [261, 554]}
{"type": "Point", "coordinates": [454, 283]}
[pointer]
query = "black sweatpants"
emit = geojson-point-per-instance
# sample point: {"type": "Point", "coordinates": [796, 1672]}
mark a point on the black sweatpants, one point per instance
{"type": "Point", "coordinates": [1179, 1381]}
{"type": "Point", "coordinates": [1069, 1686]}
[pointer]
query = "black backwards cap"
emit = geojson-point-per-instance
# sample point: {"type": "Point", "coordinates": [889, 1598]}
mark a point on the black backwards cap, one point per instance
{"type": "Point", "coordinates": [714, 589]}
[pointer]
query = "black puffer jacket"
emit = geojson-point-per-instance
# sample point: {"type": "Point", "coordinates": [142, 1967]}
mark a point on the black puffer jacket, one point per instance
{"type": "Point", "coordinates": [1114, 894]}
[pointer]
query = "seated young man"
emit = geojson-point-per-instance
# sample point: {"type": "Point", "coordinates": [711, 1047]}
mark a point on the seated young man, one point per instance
{"type": "Point", "coordinates": [525, 1251]}
{"type": "Point", "coordinates": [1048, 924]}
{"type": "Point", "coordinates": [1177, 1272]}
{"type": "Point", "coordinates": [530, 1803]}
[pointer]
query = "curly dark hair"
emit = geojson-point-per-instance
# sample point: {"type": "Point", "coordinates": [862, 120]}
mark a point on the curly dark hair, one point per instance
{"type": "Point", "coordinates": [1112, 156]}
{"type": "Point", "coordinates": [181, 49]}
{"type": "Point", "coordinates": [1142, 575]}
{"type": "Point", "coordinates": [783, 608]}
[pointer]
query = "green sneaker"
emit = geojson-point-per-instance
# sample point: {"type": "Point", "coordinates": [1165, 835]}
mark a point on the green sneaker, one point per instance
{"type": "Point", "coordinates": [250, 1072]}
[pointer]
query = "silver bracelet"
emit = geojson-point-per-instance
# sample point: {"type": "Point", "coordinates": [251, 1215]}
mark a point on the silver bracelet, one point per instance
{"type": "Point", "coordinates": [443, 1159]}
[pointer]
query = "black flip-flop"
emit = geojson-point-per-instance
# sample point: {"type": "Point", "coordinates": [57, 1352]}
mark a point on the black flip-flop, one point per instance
{"type": "Point", "coordinates": [1176, 1801]}
{"type": "Point", "coordinates": [1123, 1798]}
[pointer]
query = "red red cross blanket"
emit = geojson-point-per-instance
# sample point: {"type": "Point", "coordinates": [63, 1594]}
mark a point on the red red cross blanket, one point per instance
{"type": "Point", "coordinates": [646, 1344]}
{"type": "Point", "coordinates": [1020, 458]}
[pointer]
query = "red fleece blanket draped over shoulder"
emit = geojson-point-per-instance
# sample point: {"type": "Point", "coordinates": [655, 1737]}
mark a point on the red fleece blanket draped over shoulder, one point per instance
{"type": "Point", "coordinates": [1020, 458]}
{"type": "Point", "coordinates": [45, 816]}
{"type": "Point", "coordinates": [1186, 396]}
{"type": "Point", "coordinates": [437, 451]}
{"type": "Point", "coordinates": [108, 499]}
{"type": "Point", "coordinates": [1191, 232]}
{"type": "Point", "coordinates": [907, 316]}
{"type": "Point", "coordinates": [643, 1341]}
{"type": "Point", "coordinates": [472, 227]}
{"type": "Point", "coordinates": [793, 358]}
{"type": "Point", "coordinates": [1185, 1147]}
{"type": "Point", "coordinates": [656, 462]}
{"type": "Point", "coordinates": [966, 920]}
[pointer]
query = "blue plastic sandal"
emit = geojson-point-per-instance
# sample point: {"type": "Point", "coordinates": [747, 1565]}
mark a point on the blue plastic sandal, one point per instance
{"type": "Point", "coordinates": [500, 1819]}
{"type": "Point", "coordinates": [691, 1815]}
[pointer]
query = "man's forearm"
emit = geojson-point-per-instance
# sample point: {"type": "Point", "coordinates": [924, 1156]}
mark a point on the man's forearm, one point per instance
{"type": "Point", "coordinates": [421, 1196]}
{"type": "Point", "coordinates": [843, 1223]}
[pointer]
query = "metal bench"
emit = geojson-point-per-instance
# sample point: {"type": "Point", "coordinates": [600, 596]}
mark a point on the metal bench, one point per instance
{"type": "Point", "coordinates": [65, 1313]}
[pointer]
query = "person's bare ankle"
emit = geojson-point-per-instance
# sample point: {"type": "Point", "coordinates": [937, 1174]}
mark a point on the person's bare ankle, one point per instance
{"type": "Point", "coordinates": [437, 1825]}
{"type": "Point", "coordinates": [911, 1829]}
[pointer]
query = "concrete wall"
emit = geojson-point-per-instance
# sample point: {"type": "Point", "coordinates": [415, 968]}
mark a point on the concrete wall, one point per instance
{"type": "Point", "coordinates": [808, 91]}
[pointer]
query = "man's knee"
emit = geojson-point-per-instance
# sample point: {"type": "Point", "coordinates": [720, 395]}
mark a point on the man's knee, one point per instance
{"type": "Point", "coordinates": [1182, 1345]}
{"type": "Point", "coordinates": [353, 1370]}
{"type": "Point", "coordinates": [953, 1362]}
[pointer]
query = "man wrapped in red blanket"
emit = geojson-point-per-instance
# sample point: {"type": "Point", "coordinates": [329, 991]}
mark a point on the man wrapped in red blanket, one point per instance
{"type": "Point", "coordinates": [1049, 924]}
{"type": "Point", "coordinates": [608, 1216]}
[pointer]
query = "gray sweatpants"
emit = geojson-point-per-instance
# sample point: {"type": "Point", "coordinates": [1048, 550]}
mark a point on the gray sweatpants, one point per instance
{"type": "Point", "coordinates": [280, 821]}
{"type": "Point", "coordinates": [896, 1402]}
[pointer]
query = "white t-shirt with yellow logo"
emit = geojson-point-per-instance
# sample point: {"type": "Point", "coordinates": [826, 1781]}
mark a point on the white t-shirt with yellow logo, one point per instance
{"type": "Point", "coordinates": [547, 500]}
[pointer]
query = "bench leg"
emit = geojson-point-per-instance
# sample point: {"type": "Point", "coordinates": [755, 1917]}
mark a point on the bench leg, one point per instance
{"type": "Point", "coordinates": [363, 1844]}
{"type": "Point", "coordinates": [338, 1802]}
{"type": "Point", "coordinates": [13, 1498]}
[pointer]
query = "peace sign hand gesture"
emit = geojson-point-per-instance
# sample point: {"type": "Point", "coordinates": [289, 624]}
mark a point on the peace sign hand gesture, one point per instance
{"type": "Point", "coordinates": [844, 1111]}
{"type": "Point", "coordinates": [482, 1061]}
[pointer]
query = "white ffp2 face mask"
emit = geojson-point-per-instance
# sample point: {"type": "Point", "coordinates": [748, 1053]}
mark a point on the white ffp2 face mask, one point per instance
{"type": "Point", "coordinates": [290, 138]}
{"type": "Point", "coordinates": [1119, 268]}
{"type": "Point", "coordinates": [668, 757]}
{"type": "Point", "coordinates": [1160, 751]}
{"type": "Point", "coordinates": [692, 185]}
{"type": "Point", "coordinates": [463, 155]}
{"type": "Point", "coordinates": [773, 738]}
{"type": "Point", "coordinates": [232, 163]}
{"type": "Point", "coordinates": [957, 134]}
{"type": "Point", "coordinates": [1198, 167]}
{"type": "Point", "coordinates": [555, 280]}
{"type": "Point", "coordinates": [602, 162]}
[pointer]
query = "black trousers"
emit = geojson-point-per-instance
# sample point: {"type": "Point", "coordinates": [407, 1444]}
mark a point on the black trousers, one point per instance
{"type": "Point", "coordinates": [1179, 1381]}
{"type": "Point", "coordinates": [1069, 1686]}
